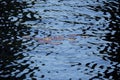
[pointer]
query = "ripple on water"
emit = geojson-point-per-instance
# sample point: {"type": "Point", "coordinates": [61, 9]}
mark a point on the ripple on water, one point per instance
{"type": "Point", "coordinates": [61, 39]}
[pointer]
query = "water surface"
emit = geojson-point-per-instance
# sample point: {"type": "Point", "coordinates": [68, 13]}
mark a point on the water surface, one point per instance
{"type": "Point", "coordinates": [59, 40]}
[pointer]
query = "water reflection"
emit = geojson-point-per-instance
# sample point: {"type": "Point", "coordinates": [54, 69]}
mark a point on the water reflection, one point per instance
{"type": "Point", "coordinates": [12, 46]}
{"type": "Point", "coordinates": [89, 34]}
{"type": "Point", "coordinates": [110, 51]}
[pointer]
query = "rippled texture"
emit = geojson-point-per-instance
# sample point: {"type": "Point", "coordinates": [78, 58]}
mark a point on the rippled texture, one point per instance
{"type": "Point", "coordinates": [59, 40]}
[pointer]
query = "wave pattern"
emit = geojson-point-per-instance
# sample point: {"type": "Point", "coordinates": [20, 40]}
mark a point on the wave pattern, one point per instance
{"type": "Point", "coordinates": [61, 40]}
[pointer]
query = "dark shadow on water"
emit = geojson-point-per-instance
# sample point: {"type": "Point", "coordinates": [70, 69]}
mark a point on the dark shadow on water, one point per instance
{"type": "Point", "coordinates": [111, 51]}
{"type": "Point", "coordinates": [12, 44]}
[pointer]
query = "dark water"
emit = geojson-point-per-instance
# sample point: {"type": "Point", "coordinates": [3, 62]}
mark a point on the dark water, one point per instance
{"type": "Point", "coordinates": [94, 54]}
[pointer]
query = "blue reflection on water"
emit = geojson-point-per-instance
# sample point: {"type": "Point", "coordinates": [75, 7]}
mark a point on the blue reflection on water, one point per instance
{"type": "Point", "coordinates": [63, 40]}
